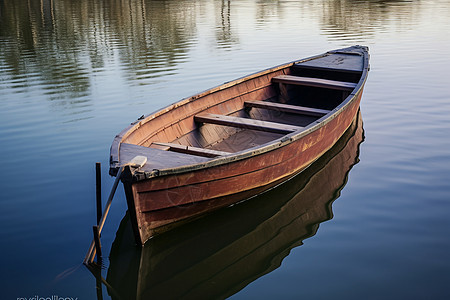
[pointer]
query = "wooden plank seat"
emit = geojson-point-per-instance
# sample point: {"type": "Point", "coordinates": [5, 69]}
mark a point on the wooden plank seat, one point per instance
{"type": "Point", "coordinates": [246, 123]}
{"type": "Point", "coordinates": [293, 109]}
{"type": "Point", "coordinates": [336, 61]}
{"type": "Point", "coordinates": [158, 158]}
{"type": "Point", "coordinates": [189, 149]}
{"type": "Point", "coordinates": [314, 82]}
{"type": "Point", "coordinates": [301, 67]}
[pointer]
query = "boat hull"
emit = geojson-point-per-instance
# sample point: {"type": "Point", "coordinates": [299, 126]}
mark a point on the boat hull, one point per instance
{"type": "Point", "coordinates": [170, 194]}
{"type": "Point", "coordinates": [162, 202]}
{"type": "Point", "coordinates": [226, 250]}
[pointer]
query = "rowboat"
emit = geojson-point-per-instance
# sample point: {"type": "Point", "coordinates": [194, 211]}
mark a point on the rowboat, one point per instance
{"type": "Point", "coordinates": [236, 140]}
{"type": "Point", "coordinates": [216, 256]}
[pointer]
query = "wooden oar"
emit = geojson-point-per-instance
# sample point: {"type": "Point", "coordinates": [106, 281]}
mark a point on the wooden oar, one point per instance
{"type": "Point", "coordinates": [137, 162]}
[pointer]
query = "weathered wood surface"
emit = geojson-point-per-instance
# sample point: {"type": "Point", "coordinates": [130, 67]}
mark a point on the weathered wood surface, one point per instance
{"type": "Point", "coordinates": [191, 150]}
{"type": "Point", "coordinates": [351, 62]}
{"type": "Point", "coordinates": [314, 82]}
{"type": "Point", "coordinates": [293, 109]}
{"type": "Point", "coordinates": [246, 123]}
{"type": "Point", "coordinates": [157, 158]}
{"type": "Point", "coordinates": [243, 139]}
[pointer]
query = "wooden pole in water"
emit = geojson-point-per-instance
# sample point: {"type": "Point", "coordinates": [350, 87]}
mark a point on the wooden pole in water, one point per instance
{"type": "Point", "coordinates": [98, 186]}
{"type": "Point", "coordinates": [137, 162]}
{"type": "Point", "coordinates": [98, 246]}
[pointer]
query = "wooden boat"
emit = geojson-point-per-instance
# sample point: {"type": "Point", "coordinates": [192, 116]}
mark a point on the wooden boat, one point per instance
{"type": "Point", "coordinates": [236, 140]}
{"type": "Point", "coordinates": [216, 256]}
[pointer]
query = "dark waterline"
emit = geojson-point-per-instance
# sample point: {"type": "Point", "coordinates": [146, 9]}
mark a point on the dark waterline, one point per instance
{"type": "Point", "coordinates": [73, 74]}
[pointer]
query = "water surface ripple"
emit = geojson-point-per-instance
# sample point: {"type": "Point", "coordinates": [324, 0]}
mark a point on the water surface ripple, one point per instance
{"type": "Point", "coordinates": [75, 73]}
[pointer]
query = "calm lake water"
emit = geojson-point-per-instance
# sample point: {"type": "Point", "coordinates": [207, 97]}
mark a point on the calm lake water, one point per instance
{"type": "Point", "coordinates": [75, 73]}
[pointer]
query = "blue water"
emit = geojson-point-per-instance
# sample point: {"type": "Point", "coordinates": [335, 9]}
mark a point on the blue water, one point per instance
{"type": "Point", "coordinates": [74, 74]}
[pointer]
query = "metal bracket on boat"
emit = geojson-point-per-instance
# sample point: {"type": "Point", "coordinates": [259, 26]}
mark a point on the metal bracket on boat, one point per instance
{"type": "Point", "coordinates": [285, 139]}
{"type": "Point", "coordinates": [155, 172]}
{"type": "Point", "coordinates": [138, 119]}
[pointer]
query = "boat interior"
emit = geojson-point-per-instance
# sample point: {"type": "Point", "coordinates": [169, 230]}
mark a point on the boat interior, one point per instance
{"type": "Point", "coordinates": [252, 112]}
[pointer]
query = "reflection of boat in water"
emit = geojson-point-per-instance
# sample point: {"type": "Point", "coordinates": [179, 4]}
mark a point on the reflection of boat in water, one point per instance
{"type": "Point", "coordinates": [221, 253]}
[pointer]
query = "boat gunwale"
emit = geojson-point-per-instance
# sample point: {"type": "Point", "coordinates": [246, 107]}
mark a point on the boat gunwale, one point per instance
{"type": "Point", "coordinates": [253, 151]}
